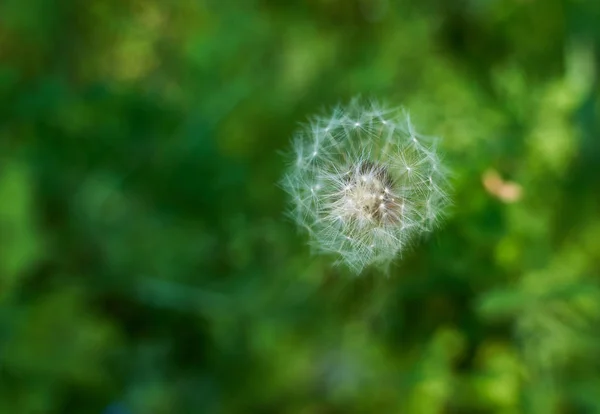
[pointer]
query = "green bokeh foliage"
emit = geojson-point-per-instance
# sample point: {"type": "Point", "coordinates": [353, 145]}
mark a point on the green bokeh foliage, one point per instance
{"type": "Point", "coordinates": [145, 259]}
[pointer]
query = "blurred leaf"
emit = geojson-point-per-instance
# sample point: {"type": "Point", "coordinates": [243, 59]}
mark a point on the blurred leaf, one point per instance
{"type": "Point", "coordinates": [20, 244]}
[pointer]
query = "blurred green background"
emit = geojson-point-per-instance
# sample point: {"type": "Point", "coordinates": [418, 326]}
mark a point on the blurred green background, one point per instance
{"type": "Point", "coordinates": [146, 266]}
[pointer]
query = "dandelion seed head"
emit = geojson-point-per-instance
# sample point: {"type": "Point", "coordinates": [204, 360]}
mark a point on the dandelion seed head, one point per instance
{"type": "Point", "coordinates": [375, 185]}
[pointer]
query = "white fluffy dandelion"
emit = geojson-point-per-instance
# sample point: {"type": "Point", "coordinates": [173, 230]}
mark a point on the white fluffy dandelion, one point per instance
{"type": "Point", "coordinates": [364, 184]}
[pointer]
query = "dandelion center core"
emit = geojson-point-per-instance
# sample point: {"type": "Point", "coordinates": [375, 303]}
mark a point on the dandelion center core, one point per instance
{"type": "Point", "coordinates": [367, 196]}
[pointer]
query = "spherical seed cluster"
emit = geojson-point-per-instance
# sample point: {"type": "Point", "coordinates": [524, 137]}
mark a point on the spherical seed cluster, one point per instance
{"type": "Point", "coordinates": [364, 184]}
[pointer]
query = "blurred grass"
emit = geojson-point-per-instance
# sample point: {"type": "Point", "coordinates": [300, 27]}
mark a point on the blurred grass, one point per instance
{"type": "Point", "coordinates": [146, 266]}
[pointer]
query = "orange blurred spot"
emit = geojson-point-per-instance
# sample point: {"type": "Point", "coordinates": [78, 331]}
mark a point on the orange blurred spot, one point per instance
{"type": "Point", "coordinates": [506, 191]}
